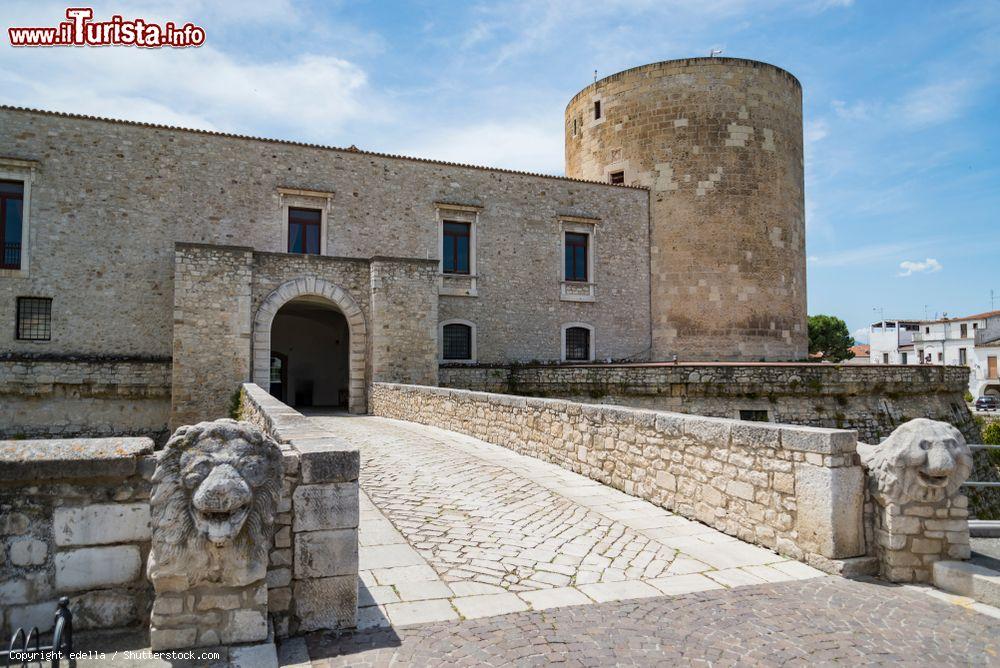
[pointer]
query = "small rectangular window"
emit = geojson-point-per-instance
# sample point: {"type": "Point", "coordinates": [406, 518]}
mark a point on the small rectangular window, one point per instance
{"type": "Point", "coordinates": [940, 357]}
{"type": "Point", "coordinates": [754, 415]}
{"type": "Point", "coordinates": [905, 358]}
{"type": "Point", "coordinates": [965, 330]}
{"type": "Point", "coordinates": [456, 246]}
{"type": "Point", "coordinates": [34, 318]}
{"type": "Point", "coordinates": [456, 342]}
{"type": "Point", "coordinates": [574, 127]}
{"type": "Point", "coordinates": [963, 357]}
{"type": "Point", "coordinates": [11, 220]}
{"type": "Point", "coordinates": [304, 226]}
{"type": "Point", "coordinates": [578, 344]}
{"type": "Point", "coordinates": [597, 109]}
{"type": "Point", "coordinates": [885, 358]}
{"type": "Point", "coordinates": [617, 178]}
{"type": "Point", "coordinates": [927, 330]}
{"type": "Point", "coordinates": [576, 256]}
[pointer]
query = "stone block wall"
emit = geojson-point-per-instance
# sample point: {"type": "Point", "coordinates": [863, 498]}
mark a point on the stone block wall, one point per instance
{"type": "Point", "coordinates": [797, 490]}
{"type": "Point", "coordinates": [212, 328]}
{"type": "Point", "coordinates": [405, 318]}
{"type": "Point", "coordinates": [312, 578]}
{"type": "Point", "coordinates": [74, 521]}
{"type": "Point", "coordinates": [53, 396]}
{"type": "Point", "coordinates": [873, 400]}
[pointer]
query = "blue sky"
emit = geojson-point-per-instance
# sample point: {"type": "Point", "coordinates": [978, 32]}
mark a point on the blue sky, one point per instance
{"type": "Point", "coordinates": [901, 104]}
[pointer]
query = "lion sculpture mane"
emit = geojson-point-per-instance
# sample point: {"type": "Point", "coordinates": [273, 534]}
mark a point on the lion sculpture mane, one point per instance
{"type": "Point", "coordinates": [922, 460]}
{"type": "Point", "coordinates": [217, 486]}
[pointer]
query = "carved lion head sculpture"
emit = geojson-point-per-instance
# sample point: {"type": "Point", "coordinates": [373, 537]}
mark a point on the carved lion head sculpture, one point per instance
{"type": "Point", "coordinates": [922, 460]}
{"type": "Point", "coordinates": [217, 485]}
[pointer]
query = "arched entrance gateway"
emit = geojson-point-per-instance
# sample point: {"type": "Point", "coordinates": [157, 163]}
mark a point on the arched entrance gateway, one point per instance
{"type": "Point", "coordinates": [309, 346]}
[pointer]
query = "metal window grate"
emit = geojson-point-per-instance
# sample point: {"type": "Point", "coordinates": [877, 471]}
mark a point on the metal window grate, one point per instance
{"type": "Point", "coordinates": [34, 318]}
{"type": "Point", "coordinates": [457, 342]}
{"type": "Point", "coordinates": [578, 344]}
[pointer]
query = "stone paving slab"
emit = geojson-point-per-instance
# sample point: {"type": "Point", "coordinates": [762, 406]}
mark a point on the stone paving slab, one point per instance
{"type": "Point", "coordinates": [446, 518]}
{"type": "Point", "coordinates": [822, 621]}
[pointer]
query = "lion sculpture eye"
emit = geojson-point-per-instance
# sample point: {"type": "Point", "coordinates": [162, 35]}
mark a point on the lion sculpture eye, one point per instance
{"type": "Point", "coordinates": [254, 470]}
{"type": "Point", "coordinates": [925, 445]}
{"type": "Point", "coordinates": [196, 472]}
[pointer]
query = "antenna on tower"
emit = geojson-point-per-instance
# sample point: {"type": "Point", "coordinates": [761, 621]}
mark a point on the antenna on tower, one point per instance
{"type": "Point", "coordinates": [595, 76]}
{"type": "Point", "coordinates": [714, 52]}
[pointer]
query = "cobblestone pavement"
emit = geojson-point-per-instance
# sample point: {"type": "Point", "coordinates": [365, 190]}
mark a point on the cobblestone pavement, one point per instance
{"type": "Point", "coordinates": [455, 528]}
{"type": "Point", "coordinates": [823, 621]}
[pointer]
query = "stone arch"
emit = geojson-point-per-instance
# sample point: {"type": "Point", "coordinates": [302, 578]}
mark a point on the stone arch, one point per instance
{"type": "Point", "coordinates": [338, 297]}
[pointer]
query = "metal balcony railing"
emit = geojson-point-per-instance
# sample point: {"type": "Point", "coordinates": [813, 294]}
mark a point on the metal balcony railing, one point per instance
{"type": "Point", "coordinates": [11, 256]}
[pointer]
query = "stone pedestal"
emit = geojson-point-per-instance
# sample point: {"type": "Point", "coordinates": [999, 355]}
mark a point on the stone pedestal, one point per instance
{"type": "Point", "coordinates": [917, 515]}
{"type": "Point", "coordinates": [910, 538]}
{"type": "Point", "coordinates": [208, 616]}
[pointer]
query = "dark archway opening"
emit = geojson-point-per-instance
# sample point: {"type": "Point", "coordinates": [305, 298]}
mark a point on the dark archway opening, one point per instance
{"type": "Point", "coordinates": [309, 354]}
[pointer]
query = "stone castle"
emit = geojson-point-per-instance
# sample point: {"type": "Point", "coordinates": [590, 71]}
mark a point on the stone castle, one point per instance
{"type": "Point", "coordinates": [149, 270]}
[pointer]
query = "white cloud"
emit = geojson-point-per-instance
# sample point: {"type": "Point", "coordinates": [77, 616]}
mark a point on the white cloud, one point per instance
{"type": "Point", "coordinates": [864, 254]}
{"type": "Point", "coordinates": [936, 102]}
{"type": "Point", "coordinates": [816, 130]}
{"type": "Point", "coordinates": [525, 145]}
{"type": "Point", "coordinates": [861, 335]}
{"type": "Point", "coordinates": [308, 97]}
{"type": "Point", "coordinates": [929, 266]}
{"type": "Point", "coordinates": [858, 111]}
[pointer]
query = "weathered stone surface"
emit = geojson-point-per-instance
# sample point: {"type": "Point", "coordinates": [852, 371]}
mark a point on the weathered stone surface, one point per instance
{"type": "Point", "coordinates": [326, 603]}
{"type": "Point", "coordinates": [104, 610]}
{"type": "Point", "coordinates": [329, 506]}
{"type": "Point", "coordinates": [164, 639]}
{"type": "Point", "coordinates": [71, 458]}
{"type": "Point", "coordinates": [245, 625]}
{"type": "Point", "coordinates": [320, 554]}
{"type": "Point", "coordinates": [93, 567]}
{"type": "Point", "coordinates": [327, 460]}
{"type": "Point", "coordinates": [830, 502]}
{"type": "Point", "coordinates": [27, 552]}
{"type": "Point", "coordinates": [102, 524]}
{"type": "Point", "coordinates": [37, 614]}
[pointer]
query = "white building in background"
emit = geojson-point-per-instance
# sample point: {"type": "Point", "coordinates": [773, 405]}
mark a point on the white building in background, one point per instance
{"type": "Point", "coordinates": [972, 341]}
{"type": "Point", "coordinates": [891, 341]}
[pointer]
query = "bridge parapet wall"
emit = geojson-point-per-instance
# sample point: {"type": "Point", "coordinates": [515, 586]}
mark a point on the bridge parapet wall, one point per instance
{"type": "Point", "coordinates": [797, 490]}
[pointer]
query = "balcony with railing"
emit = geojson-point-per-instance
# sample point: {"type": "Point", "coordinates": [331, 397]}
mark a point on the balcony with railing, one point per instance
{"type": "Point", "coordinates": [11, 256]}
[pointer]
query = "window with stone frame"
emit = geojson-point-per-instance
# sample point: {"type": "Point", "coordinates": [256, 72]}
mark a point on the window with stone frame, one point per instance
{"type": "Point", "coordinates": [456, 342]}
{"type": "Point", "coordinates": [34, 319]}
{"type": "Point", "coordinates": [11, 222]}
{"type": "Point", "coordinates": [577, 344]}
{"type": "Point", "coordinates": [576, 256]}
{"type": "Point", "coordinates": [304, 229]}
{"type": "Point", "coordinates": [617, 178]}
{"type": "Point", "coordinates": [456, 247]}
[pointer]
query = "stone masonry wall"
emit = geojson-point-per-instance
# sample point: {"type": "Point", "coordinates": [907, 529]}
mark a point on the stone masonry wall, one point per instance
{"type": "Point", "coordinates": [873, 400]}
{"type": "Point", "coordinates": [797, 490]}
{"type": "Point", "coordinates": [175, 185]}
{"type": "Point", "coordinates": [405, 318]}
{"type": "Point", "coordinates": [74, 521]}
{"type": "Point", "coordinates": [718, 141]}
{"type": "Point", "coordinates": [211, 330]}
{"type": "Point", "coordinates": [44, 396]}
{"type": "Point", "coordinates": [312, 578]}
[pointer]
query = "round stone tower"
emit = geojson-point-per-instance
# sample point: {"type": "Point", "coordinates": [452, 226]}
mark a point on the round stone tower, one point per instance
{"type": "Point", "coordinates": [718, 141]}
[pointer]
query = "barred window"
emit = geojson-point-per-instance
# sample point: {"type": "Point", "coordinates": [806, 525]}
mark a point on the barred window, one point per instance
{"type": "Point", "coordinates": [457, 342]}
{"type": "Point", "coordinates": [578, 344]}
{"type": "Point", "coordinates": [34, 318]}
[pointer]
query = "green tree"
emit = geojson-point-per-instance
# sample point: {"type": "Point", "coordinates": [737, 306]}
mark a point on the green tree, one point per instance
{"type": "Point", "coordinates": [829, 335]}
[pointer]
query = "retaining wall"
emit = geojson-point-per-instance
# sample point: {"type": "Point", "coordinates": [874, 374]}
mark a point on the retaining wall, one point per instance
{"type": "Point", "coordinates": [74, 521]}
{"type": "Point", "coordinates": [313, 575]}
{"type": "Point", "coordinates": [797, 490]}
{"type": "Point", "coordinates": [873, 400]}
